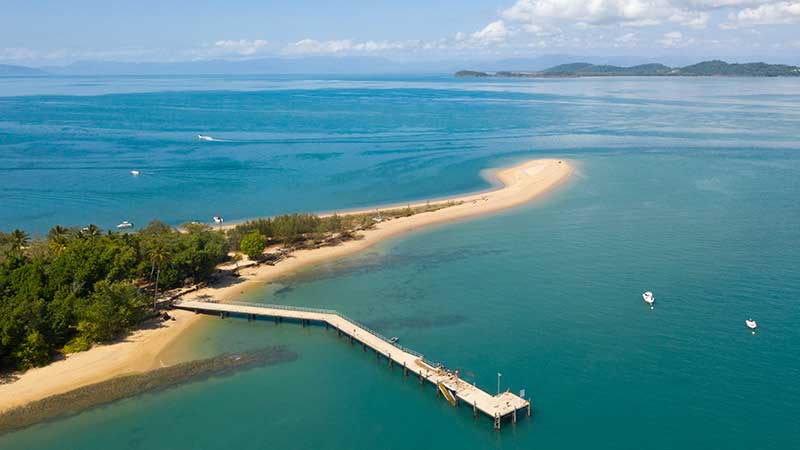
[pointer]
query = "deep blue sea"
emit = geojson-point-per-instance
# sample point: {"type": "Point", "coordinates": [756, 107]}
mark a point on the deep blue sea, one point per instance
{"type": "Point", "coordinates": [689, 187]}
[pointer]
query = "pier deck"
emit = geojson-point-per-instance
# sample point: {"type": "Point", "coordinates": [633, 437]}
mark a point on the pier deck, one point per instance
{"type": "Point", "coordinates": [496, 406]}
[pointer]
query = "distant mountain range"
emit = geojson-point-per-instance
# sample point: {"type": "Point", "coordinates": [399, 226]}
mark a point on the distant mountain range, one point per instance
{"type": "Point", "coordinates": [8, 70]}
{"type": "Point", "coordinates": [539, 66]}
{"type": "Point", "coordinates": [704, 69]}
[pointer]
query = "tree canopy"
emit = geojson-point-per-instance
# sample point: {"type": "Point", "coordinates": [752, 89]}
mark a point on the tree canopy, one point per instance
{"type": "Point", "coordinates": [80, 286]}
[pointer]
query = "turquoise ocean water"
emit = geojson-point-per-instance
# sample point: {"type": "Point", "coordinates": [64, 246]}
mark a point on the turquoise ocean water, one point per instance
{"type": "Point", "coordinates": [686, 187]}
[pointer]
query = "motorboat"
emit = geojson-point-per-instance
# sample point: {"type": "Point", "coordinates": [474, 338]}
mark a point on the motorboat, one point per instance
{"type": "Point", "coordinates": [203, 137]}
{"type": "Point", "coordinates": [649, 299]}
{"type": "Point", "coordinates": [751, 324]}
{"type": "Point", "coordinates": [394, 340]}
{"type": "Point", "coordinates": [124, 225]}
{"type": "Point", "coordinates": [135, 173]}
{"type": "Point", "coordinates": [218, 219]}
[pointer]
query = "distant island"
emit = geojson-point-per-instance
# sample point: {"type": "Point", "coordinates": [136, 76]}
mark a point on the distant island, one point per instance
{"type": "Point", "coordinates": [9, 70]}
{"type": "Point", "coordinates": [703, 69]}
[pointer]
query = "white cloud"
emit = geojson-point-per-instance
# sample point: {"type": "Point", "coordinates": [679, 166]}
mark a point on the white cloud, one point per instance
{"type": "Point", "coordinates": [626, 40]}
{"type": "Point", "coordinates": [230, 48]}
{"type": "Point", "coordinates": [242, 47]}
{"type": "Point", "coordinates": [717, 4]}
{"type": "Point", "coordinates": [18, 54]}
{"type": "Point", "coordinates": [766, 14]}
{"type": "Point", "coordinates": [610, 12]}
{"type": "Point", "coordinates": [492, 33]}
{"type": "Point", "coordinates": [342, 46]}
{"type": "Point", "coordinates": [675, 39]}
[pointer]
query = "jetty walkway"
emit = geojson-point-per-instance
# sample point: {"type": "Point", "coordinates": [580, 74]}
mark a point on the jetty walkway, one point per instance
{"type": "Point", "coordinates": [455, 390]}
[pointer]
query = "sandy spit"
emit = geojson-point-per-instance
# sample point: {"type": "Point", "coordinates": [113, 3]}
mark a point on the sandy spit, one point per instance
{"type": "Point", "coordinates": [141, 351]}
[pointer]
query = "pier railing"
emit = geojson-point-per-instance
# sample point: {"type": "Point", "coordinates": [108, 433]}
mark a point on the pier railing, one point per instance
{"type": "Point", "coordinates": [330, 312]}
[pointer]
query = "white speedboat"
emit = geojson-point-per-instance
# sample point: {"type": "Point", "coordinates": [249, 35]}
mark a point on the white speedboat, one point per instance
{"type": "Point", "coordinates": [648, 298]}
{"type": "Point", "coordinates": [203, 137]}
{"type": "Point", "coordinates": [394, 339]}
{"type": "Point", "coordinates": [124, 225]}
{"type": "Point", "coordinates": [135, 173]}
{"type": "Point", "coordinates": [751, 324]}
{"type": "Point", "coordinates": [218, 219]}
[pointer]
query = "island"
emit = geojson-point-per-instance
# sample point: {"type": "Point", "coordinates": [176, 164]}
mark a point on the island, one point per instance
{"type": "Point", "coordinates": [714, 68]}
{"type": "Point", "coordinates": [14, 71]}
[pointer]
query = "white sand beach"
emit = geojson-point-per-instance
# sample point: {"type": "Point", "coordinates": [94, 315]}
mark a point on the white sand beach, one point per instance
{"type": "Point", "coordinates": [140, 351]}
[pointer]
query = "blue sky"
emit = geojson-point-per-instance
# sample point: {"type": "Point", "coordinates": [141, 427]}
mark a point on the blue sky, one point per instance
{"type": "Point", "coordinates": [48, 32]}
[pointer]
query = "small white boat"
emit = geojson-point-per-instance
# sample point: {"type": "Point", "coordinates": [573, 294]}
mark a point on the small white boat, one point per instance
{"type": "Point", "coordinates": [751, 324]}
{"type": "Point", "coordinates": [125, 224]}
{"type": "Point", "coordinates": [394, 340]}
{"type": "Point", "coordinates": [135, 173]}
{"type": "Point", "coordinates": [218, 219]}
{"type": "Point", "coordinates": [203, 137]}
{"type": "Point", "coordinates": [648, 298]}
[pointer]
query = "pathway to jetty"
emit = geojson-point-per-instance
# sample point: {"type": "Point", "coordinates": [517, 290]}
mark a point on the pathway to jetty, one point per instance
{"type": "Point", "coordinates": [498, 407]}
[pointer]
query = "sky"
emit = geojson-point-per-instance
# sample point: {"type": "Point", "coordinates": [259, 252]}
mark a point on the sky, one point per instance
{"type": "Point", "coordinates": [56, 32]}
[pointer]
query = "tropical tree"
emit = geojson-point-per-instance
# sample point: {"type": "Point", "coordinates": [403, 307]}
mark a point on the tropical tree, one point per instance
{"type": "Point", "coordinates": [57, 239]}
{"type": "Point", "coordinates": [91, 231]}
{"type": "Point", "coordinates": [19, 240]}
{"type": "Point", "coordinates": [253, 244]}
{"type": "Point", "coordinates": [158, 255]}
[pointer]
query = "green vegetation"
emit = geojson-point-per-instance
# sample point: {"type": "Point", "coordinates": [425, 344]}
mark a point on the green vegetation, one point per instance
{"type": "Point", "coordinates": [703, 69]}
{"type": "Point", "coordinates": [253, 244]}
{"type": "Point", "coordinates": [309, 230]}
{"type": "Point", "coordinates": [721, 68]}
{"type": "Point", "coordinates": [79, 286]}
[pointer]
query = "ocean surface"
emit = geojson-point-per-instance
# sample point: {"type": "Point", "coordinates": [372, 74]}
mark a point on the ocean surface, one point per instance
{"type": "Point", "coordinates": [686, 187]}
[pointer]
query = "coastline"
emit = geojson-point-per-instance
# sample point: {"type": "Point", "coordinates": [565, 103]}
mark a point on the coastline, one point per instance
{"type": "Point", "coordinates": [142, 350]}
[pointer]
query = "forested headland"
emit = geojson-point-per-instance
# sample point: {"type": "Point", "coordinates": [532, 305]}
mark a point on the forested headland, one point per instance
{"type": "Point", "coordinates": [75, 287]}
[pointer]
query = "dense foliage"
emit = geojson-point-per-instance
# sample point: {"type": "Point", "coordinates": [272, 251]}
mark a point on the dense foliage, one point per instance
{"type": "Point", "coordinates": [292, 229]}
{"type": "Point", "coordinates": [76, 286]}
{"type": "Point", "coordinates": [253, 244]}
{"type": "Point", "coordinates": [80, 286]}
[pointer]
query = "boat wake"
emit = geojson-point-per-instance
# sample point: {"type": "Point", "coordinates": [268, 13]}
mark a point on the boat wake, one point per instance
{"type": "Point", "coordinates": [207, 138]}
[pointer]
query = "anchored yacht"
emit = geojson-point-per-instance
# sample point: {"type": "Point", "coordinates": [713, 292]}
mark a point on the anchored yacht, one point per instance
{"type": "Point", "coordinates": [648, 298]}
{"type": "Point", "coordinates": [751, 324]}
{"type": "Point", "coordinates": [125, 224]}
{"type": "Point", "coordinates": [218, 219]}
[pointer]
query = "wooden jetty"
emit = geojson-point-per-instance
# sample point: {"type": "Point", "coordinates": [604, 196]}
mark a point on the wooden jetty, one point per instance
{"type": "Point", "coordinates": [498, 407]}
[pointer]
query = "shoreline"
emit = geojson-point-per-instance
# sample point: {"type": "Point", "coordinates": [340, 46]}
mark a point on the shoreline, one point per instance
{"type": "Point", "coordinates": [141, 351]}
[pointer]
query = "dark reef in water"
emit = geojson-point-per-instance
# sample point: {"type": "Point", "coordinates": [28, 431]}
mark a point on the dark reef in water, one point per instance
{"type": "Point", "coordinates": [103, 393]}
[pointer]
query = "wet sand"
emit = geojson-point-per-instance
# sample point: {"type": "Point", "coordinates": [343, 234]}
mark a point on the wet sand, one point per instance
{"type": "Point", "coordinates": [109, 391]}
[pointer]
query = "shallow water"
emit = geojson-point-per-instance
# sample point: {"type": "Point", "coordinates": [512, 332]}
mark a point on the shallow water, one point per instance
{"type": "Point", "coordinates": [687, 188]}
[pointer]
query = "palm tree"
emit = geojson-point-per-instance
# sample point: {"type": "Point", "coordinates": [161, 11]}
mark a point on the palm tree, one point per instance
{"type": "Point", "coordinates": [158, 255]}
{"type": "Point", "coordinates": [91, 231]}
{"type": "Point", "coordinates": [57, 236]}
{"type": "Point", "coordinates": [19, 240]}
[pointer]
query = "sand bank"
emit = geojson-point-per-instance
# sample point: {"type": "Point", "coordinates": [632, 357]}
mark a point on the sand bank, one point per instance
{"type": "Point", "coordinates": [140, 352]}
